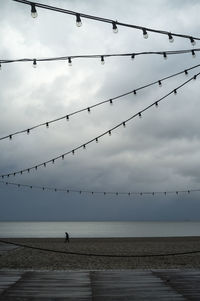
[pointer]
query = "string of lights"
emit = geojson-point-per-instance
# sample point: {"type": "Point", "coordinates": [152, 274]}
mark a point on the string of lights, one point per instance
{"type": "Point", "coordinates": [114, 23]}
{"type": "Point", "coordinates": [96, 139]}
{"type": "Point", "coordinates": [94, 192]}
{"type": "Point", "coordinates": [102, 57]}
{"type": "Point", "coordinates": [88, 108]}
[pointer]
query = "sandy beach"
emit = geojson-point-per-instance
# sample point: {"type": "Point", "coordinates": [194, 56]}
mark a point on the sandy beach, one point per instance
{"type": "Point", "coordinates": [23, 258]}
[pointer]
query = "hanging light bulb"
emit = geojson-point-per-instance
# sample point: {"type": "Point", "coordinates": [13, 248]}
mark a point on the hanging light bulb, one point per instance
{"type": "Point", "coordinates": [35, 167]}
{"type": "Point", "coordinates": [165, 55]}
{"type": "Point", "coordinates": [132, 56]}
{"type": "Point", "coordinates": [47, 125]}
{"type": "Point", "coordinates": [28, 131]}
{"type": "Point", "coordinates": [69, 61]}
{"type": "Point", "coordinates": [10, 137]}
{"type": "Point", "coordinates": [186, 72]}
{"type": "Point", "coordinates": [171, 39]}
{"type": "Point", "coordinates": [140, 115]}
{"type": "Point", "coordinates": [84, 147]}
{"type": "Point", "coordinates": [102, 60]}
{"type": "Point", "coordinates": [160, 83]}
{"type": "Point", "coordinates": [195, 77]}
{"type": "Point", "coordinates": [193, 42]}
{"type": "Point", "coordinates": [96, 140]}
{"type": "Point", "coordinates": [111, 102]}
{"type": "Point", "coordinates": [34, 63]}
{"type": "Point", "coordinates": [67, 117]}
{"type": "Point", "coordinates": [109, 132]}
{"type": "Point", "coordinates": [33, 10]}
{"type": "Point", "coordinates": [134, 92]}
{"type": "Point", "coordinates": [124, 124]}
{"type": "Point", "coordinates": [63, 157]}
{"type": "Point", "coordinates": [78, 20]}
{"type": "Point", "coordinates": [73, 152]}
{"type": "Point", "coordinates": [156, 104]}
{"type": "Point", "coordinates": [175, 91]}
{"type": "Point", "coordinates": [145, 34]}
{"type": "Point", "coordinates": [88, 109]}
{"type": "Point", "coordinates": [193, 53]}
{"type": "Point", "coordinates": [0, 66]}
{"type": "Point", "coordinates": [115, 29]}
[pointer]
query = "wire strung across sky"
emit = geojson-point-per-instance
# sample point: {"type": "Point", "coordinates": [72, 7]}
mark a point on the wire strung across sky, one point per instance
{"type": "Point", "coordinates": [83, 146]}
{"type": "Point", "coordinates": [88, 108]}
{"type": "Point", "coordinates": [94, 192]}
{"type": "Point", "coordinates": [100, 56]}
{"type": "Point", "coordinates": [114, 23]}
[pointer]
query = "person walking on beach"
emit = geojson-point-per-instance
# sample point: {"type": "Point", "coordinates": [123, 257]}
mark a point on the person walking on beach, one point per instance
{"type": "Point", "coordinates": [66, 237]}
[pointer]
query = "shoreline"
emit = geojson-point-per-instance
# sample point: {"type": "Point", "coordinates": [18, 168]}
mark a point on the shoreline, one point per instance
{"type": "Point", "coordinates": [31, 259]}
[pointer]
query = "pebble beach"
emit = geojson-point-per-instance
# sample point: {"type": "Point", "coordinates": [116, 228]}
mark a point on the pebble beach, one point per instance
{"type": "Point", "coordinates": [30, 259]}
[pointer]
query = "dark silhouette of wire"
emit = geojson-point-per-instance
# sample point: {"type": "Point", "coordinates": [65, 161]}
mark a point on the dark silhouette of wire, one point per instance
{"type": "Point", "coordinates": [88, 108]}
{"type": "Point", "coordinates": [114, 23]}
{"type": "Point", "coordinates": [89, 56]}
{"type": "Point", "coordinates": [123, 123]}
{"type": "Point", "coordinates": [93, 192]}
{"type": "Point", "coordinates": [97, 254]}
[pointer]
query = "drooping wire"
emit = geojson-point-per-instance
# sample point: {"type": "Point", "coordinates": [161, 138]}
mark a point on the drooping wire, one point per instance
{"type": "Point", "coordinates": [69, 58]}
{"type": "Point", "coordinates": [88, 108]}
{"type": "Point", "coordinates": [94, 192]}
{"type": "Point", "coordinates": [96, 139]}
{"type": "Point", "coordinates": [114, 23]}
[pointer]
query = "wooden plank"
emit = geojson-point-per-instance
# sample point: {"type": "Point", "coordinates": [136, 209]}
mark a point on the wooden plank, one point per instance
{"type": "Point", "coordinates": [177, 285]}
{"type": "Point", "coordinates": [130, 285]}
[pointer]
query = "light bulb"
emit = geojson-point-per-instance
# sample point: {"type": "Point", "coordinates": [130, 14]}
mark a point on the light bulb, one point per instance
{"type": "Point", "coordinates": [33, 10]}
{"type": "Point", "coordinates": [193, 42]}
{"type": "Point", "coordinates": [102, 60]}
{"type": "Point", "coordinates": [186, 72]}
{"type": "Point", "coordinates": [132, 56]}
{"type": "Point", "coordinates": [109, 132]}
{"type": "Point", "coordinates": [156, 104]}
{"type": "Point", "coordinates": [140, 115]}
{"type": "Point", "coordinates": [78, 20]}
{"type": "Point", "coordinates": [0, 66]}
{"type": "Point", "coordinates": [171, 39]}
{"type": "Point", "coordinates": [165, 55]}
{"type": "Point", "coordinates": [69, 61]}
{"type": "Point", "coordinates": [160, 83]}
{"type": "Point", "coordinates": [115, 29]}
{"type": "Point", "coordinates": [193, 54]}
{"type": "Point", "coordinates": [145, 34]}
{"type": "Point", "coordinates": [175, 92]}
{"type": "Point", "coordinates": [96, 140]}
{"type": "Point", "coordinates": [34, 63]}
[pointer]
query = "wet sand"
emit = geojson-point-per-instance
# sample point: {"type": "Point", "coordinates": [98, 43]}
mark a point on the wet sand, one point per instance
{"type": "Point", "coordinates": [23, 258]}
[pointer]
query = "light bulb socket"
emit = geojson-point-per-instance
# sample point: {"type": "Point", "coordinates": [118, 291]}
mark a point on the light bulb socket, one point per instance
{"type": "Point", "coordinates": [193, 42]}
{"type": "Point", "coordinates": [165, 55]}
{"type": "Point", "coordinates": [102, 60]}
{"type": "Point", "coordinates": [69, 61]}
{"type": "Point", "coordinates": [193, 53]}
{"type": "Point", "coordinates": [34, 63]}
{"type": "Point", "coordinates": [114, 26]}
{"type": "Point", "coordinates": [78, 20]}
{"type": "Point", "coordinates": [33, 10]}
{"type": "Point", "coordinates": [145, 34]}
{"type": "Point", "coordinates": [171, 39]}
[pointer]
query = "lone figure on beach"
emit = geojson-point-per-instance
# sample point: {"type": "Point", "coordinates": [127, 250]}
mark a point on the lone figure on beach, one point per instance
{"type": "Point", "coordinates": [66, 237]}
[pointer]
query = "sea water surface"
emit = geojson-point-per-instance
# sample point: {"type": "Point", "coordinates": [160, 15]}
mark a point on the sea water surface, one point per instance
{"type": "Point", "coordinates": [99, 229]}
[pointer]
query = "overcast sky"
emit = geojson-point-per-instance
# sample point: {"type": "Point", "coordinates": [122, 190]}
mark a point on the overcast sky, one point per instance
{"type": "Point", "coordinates": [159, 152]}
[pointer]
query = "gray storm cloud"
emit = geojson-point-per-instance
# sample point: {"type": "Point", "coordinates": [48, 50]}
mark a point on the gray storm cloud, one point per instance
{"type": "Point", "coordinates": [158, 152]}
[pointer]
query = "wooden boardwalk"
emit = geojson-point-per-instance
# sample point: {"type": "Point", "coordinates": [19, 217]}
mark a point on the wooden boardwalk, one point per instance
{"type": "Point", "coordinates": [100, 285]}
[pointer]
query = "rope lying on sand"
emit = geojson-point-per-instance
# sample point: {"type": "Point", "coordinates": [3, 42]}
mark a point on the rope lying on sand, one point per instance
{"type": "Point", "coordinates": [99, 255]}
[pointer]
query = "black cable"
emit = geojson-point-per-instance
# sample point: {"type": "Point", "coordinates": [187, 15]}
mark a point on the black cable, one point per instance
{"type": "Point", "coordinates": [93, 192]}
{"type": "Point", "coordinates": [88, 56]}
{"type": "Point", "coordinates": [105, 20]}
{"type": "Point", "coordinates": [99, 255]}
{"type": "Point", "coordinates": [123, 123]}
{"type": "Point", "coordinates": [88, 108]}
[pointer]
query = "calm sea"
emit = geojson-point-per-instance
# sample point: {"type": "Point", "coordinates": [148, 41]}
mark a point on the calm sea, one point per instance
{"type": "Point", "coordinates": [99, 229]}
